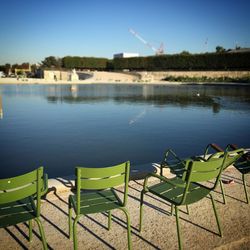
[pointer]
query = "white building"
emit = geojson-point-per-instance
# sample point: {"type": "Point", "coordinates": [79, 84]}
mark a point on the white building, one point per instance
{"type": "Point", "coordinates": [125, 55]}
{"type": "Point", "coordinates": [2, 74]}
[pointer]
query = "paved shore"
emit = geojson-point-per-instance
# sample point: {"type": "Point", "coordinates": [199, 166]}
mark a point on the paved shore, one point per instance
{"type": "Point", "coordinates": [108, 78]}
{"type": "Point", "coordinates": [199, 229]}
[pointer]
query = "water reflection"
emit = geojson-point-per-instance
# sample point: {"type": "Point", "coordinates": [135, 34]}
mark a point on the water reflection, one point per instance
{"type": "Point", "coordinates": [74, 90]}
{"type": "Point", "coordinates": [61, 126]}
{"type": "Point", "coordinates": [183, 96]}
{"type": "Point", "coordinates": [1, 108]}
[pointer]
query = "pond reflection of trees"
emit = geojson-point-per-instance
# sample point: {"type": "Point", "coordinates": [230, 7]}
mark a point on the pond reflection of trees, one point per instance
{"type": "Point", "coordinates": [157, 100]}
{"type": "Point", "coordinates": [1, 108]}
{"type": "Point", "coordinates": [158, 95]}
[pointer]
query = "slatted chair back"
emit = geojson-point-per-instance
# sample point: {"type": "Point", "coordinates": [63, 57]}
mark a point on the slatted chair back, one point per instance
{"type": "Point", "coordinates": [203, 171]}
{"type": "Point", "coordinates": [243, 162]}
{"type": "Point", "coordinates": [102, 178]}
{"type": "Point", "coordinates": [215, 155]}
{"type": "Point", "coordinates": [232, 157]}
{"type": "Point", "coordinates": [23, 186]}
{"type": "Point", "coordinates": [206, 171]}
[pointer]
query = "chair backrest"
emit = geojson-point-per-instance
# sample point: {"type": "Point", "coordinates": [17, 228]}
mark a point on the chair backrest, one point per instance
{"type": "Point", "coordinates": [205, 171]}
{"type": "Point", "coordinates": [103, 178]}
{"type": "Point", "coordinates": [232, 157]}
{"type": "Point", "coordinates": [197, 171]}
{"type": "Point", "coordinates": [22, 186]}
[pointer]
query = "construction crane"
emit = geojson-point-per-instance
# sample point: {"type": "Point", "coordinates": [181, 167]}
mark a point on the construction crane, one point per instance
{"type": "Point", "coordinates": [159, 51]}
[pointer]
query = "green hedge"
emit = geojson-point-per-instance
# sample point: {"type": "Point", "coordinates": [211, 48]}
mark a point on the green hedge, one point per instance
{"type": "Point", "coordinates": [209, 61]}
{"type": "Point", "coordinates": [77, 62]}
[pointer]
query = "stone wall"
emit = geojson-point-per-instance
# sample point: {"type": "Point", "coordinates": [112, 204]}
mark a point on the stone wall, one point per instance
{"type": "Point", "coordinates": [158, 76]}
{"type": "Point", "coordinates": [58, 75]}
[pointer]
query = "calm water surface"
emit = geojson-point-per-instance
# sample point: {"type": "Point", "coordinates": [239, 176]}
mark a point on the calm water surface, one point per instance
{"type": "Point", "coordinates": [62, 126]}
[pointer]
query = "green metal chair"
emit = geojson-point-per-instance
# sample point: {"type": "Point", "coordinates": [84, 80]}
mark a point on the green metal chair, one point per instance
{"type": "Point", "coordinates": [186, 190]}
{"type": "Point", "coordinates": [242, 165]}
{"type": "Point", "coordinates": [95, 193]}
{"type": "Point", "coordinates": [177, 165]}
{"type": "Point", "coordinates": [20, 200]}
{"type": "Point", "coordinates": [233, 156]}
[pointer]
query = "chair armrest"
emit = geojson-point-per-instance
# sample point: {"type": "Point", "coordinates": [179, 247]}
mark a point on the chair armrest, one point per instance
{"type": "Point", "coordinates": [168, 153]}
{"type": "Point", "coordinates": [145, 187]}
{"type": "Point", "coordinates": [216, 147]}
{"type": "Point", "coordinates": [212, 146]}
{"type": "Point", "coordinates": [231, 146]}
{"type": "Point", "coordinates": [172, 153]}
{"type": "Point", "coordinates": [162, 178]}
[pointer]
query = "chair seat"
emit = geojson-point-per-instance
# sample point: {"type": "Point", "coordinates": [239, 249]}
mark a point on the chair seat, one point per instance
{"type": "Point", "coordinates": [16, 212]}
{"type": "Point", "coordinates": [173, 191]}
{"type": "Point", "coordinates": [98, 201]}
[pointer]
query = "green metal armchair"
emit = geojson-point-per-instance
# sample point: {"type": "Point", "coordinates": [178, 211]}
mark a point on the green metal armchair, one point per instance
{"type": "Point", "coordinates": [177, 165]}
{"type": "Point", "coordinates": [186, 189]}
{"type": "Point", "coordinates": [234, 155]}
{"type": "Point", "coordinates": [95, 193]}
{"type": "Point", "coordinates": [20, 200]}
{"type": "Point", "coordinates": [242, 165]}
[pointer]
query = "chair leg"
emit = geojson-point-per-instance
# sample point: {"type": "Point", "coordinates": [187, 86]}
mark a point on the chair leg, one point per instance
{"type": "Point", "coordinates": [172, 209]}
{"type": "Point", "coordinates": [245, 187]}
{"type": "Point", "coordinates": [141, 211]}
{"type": "Point", "coordinates": [45, 247]}
{"type": "Point", "coordinates": [178, 227]}
{"type": "Point", "coordinates": [128, 226]}
{"type": "Point", "coordinates": [70, 221]}
{"type": "Point", "coordinates": [222, 191]}
{"type": "Point", "coordinates": [109, 220]}
{"type": "Point", "coordinates": [216, 215]}
{"type": "Point", "coordinates": [75, 232]}
{"type": "Point", "coordinates": [30, 230]}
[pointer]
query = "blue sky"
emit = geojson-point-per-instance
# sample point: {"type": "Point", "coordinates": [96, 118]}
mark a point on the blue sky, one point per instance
{"type": "Point", "coordinates": [32, 30]}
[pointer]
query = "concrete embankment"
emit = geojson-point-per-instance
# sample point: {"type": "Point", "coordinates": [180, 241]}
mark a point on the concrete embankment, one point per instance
{"type": "Point", "coordinates": [139, 172]}
{"type": "Point", "coordinates": [140, 77]}
{"type": "Point", "coordinates": [160, 75]}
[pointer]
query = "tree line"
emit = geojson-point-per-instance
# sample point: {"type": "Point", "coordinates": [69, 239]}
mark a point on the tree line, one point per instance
{"type": "Point", "coordinates": [221, 60]}
{"type": "Point", "coordinates": [208, 61]}
{"type": "Point", "coordinates": [10, 69]}
{"type": "Point", "coordinates": [183, 61]}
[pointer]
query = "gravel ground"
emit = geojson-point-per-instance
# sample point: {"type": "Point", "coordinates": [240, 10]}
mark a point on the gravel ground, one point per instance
{"type": "Point", "coordinates": [199, 229]}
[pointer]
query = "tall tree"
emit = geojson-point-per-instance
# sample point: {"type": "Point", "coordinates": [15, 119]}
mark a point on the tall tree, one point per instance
{"type": "Point", "coordinates": [220, 49]}
{"type": "Point", "coordinates": [52, 62]}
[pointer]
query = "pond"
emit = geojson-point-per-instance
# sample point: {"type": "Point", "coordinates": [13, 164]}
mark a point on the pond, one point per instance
{"type": "Point", "coordinates": [63, 126]}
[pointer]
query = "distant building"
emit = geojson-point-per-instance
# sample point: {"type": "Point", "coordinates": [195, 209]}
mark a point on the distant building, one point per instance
{"type": "Point", "coordinates": [239, 50]}
{"type": "Point", "coordinates": [54, 75]}
{"type": "Point", "coordinates": [125, 55]}
{"type": "Point", "coordinates": [24, 68]}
